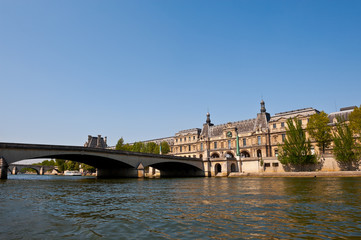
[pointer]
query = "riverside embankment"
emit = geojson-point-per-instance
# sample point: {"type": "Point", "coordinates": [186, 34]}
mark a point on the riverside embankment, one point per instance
{"type": "Point", "coordinates": [299, 174]}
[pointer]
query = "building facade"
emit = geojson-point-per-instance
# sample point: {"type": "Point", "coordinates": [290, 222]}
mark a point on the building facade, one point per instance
{"type": "Point", "coordinates": [246, 146]}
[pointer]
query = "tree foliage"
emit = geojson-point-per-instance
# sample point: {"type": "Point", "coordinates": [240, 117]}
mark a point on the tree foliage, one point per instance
{"type": "Point", "coordinates": [296, 150]}
{"type": "Point", "coordinates": [319, 129]}
{"type": "Point", "coordinates": [346, 149]}
{"type": "Point", "coordinates": [149, 147]}
{"type": "Point", "coordinates": [120, 144]}
{"type": "Point", "coordinates": [355, 121]}
{"type": "Point", "coordinates": [165, 147]}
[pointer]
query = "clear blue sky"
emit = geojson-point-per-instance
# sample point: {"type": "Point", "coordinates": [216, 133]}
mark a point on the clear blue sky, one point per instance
{"type": "Point", "coordinates": [147, 69]}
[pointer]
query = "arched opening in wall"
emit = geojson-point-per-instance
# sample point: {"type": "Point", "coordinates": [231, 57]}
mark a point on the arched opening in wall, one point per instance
{"type": "Point", "coordinates": [217, 168]}
{"type": "Point", "coordinates": [215, 155]}
{"type": "Point", "coordinates": [245, 154]}
{"type": "Point", "coordinates": [233, 167]}
{"type": "Point", "coordinates": [259, 153]}
{"type": "Point", "coordinates": [200, 156]}
{"type": "Point", "coordinates": [229, 155]}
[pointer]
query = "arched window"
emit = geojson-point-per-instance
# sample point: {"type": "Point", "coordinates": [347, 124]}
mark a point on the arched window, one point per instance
{"type": "Point", "coordinates": [215, 155]}
{"type": "Point", "coordinates": [229, 155]}
{"type": "Point", "coordinates": [217, 168]}
{"type": "Point", "coordinates": [233, 167]}
{"type": "Point", "coordinates": [245, 154]}
{"type": "Point", "coordinates": [259, 153]}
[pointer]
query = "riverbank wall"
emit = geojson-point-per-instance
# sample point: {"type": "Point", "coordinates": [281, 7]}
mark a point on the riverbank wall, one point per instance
{"type": "Point", "coordinates": [299, 174]}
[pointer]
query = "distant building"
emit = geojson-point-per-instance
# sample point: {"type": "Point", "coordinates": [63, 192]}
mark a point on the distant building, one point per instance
{"type": "Point", "coordinates": [96, 142]}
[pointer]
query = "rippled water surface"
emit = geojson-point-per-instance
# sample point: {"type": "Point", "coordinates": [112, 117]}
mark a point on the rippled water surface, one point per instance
{"type": "Point", "coordinates": [55, 207]}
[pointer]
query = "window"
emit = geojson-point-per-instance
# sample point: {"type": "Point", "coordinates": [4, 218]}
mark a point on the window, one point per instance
{"type": "Point", "coordinates": [201, 146]}
{"type": "Point", "coordinates": [274, 125]}
{"type": "Point", "coordinates": [185, 139]}
{"type": "Point", "coordinates": [244, 142]}
{"type": "Point", "coordinates": [283, 137]}
{"type": "Point", "coordinates": [189, 138]}
{"type": "Point", "coordinates": [176, 140]}
{"type": "Point", "coordinates": [276, 152]}
{"type": "Point", "coordinates": [259, 140]}
{"type": "Point", "coordinates": [189, 148]}
{"type": "Point", "coordinates": [267, 164]}
{"type": "Point", "coordinates": [180, 149]}
{"type": "Point", "coordinates": [222, 145]}
{"type": "Point", "coordinates": [275, 164]}
{"type": "Point", "coordinates": [282, 124]}
{"type": "Point", "coordinates": [194, 147]}
{"type": "Point", "coordinates": [194, 137]}
{"type": "Point", "coordinates": [180, 140]}
{"type": "Point", "coordinates": [229, 144]}
{"type": "Point", "coordinates": [215, 145]}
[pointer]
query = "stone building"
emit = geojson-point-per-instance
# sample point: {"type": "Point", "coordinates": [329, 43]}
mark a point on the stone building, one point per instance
{"type": "Point", "coordinates": [246, 146]}
{"type": "Point", "coordinates": [96, 142]}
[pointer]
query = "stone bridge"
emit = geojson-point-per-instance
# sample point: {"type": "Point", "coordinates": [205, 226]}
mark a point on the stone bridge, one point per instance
{"type": "Point", "coordinates": [40, 170]}
{"type": "Point", "coordinates": [109, 163]}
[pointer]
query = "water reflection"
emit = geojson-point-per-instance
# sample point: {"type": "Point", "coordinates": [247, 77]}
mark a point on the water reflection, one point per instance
{"type": "Point", "coordinates": [191, 208]}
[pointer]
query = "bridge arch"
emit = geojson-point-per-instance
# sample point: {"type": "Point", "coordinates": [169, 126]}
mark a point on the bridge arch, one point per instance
{"type": "Point", "coordinates": [109, 163]}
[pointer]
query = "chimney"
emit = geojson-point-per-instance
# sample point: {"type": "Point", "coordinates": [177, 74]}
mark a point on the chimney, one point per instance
{"type": "Point", "coordinates": [105, 141]}
{"type": "Point", "coordinates": [99, 141]}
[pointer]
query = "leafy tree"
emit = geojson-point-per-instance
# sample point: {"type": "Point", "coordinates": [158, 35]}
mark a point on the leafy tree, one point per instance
{"type": "Point", "coordinates": [61, 164]}
{"type": "Point", "coordinates": [165, 147]}
{"type": "Point", "coordinates": [47, 163]}
{"type": "Point", "coordinates": [71, 165]}
{"type": "Point", "coordinates": [151, 147]}
{"type": "Point", "coordinates": [346, 150]}
{"type": "Point", "coordinates": [355, 120]}
{"type": "Point", "coordinates": [120, 144]}
{"type": "Point", "coordinates": [88, 168]}
{"type": "Point", "coordinates": [319, 129]}
{"type": "Point", "coordinates": [127, 147]}
{"type": "Point", "coordinates": [138, 147]}
{"type": "Point", "coordinates": [296, 150]}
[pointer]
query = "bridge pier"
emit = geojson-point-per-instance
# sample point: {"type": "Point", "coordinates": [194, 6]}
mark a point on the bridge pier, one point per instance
{"type": "Point", "coordinates": [3, 169]}
{"type": "Point", "coordinates": [41, 171]}
{"type": "Point", "coordinates": [14, 171]}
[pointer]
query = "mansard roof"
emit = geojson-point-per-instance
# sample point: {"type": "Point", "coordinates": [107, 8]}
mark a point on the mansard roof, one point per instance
{"type": "Point", "coordinates": [188, 131]}
{"type": "Point", "coordinates": [343, 114]}
{"type": "Point", "coordinates": [304, 112]}
{"type": "Point", "coordinates": [217, 130]}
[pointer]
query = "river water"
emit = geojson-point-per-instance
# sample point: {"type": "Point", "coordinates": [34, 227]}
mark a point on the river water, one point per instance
{"type": "Point", "coordinates": [59, 207]}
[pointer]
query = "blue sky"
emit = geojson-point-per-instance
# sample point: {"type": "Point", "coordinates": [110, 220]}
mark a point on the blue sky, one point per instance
{"type": "Point", "coordinates": [147, 69]}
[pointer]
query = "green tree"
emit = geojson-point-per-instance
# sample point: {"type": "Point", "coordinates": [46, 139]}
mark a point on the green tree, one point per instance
{"type": "Point", "coordinates": [355, 121]}
{"type": "Point", "coordinates": [319, 129]}
{"type": "Point", "coordinates": [127, 147]}
{"type": "Point", "coordinates": [138, 147]}
{"type": "Point", "coordinates": [71, 165]}
{"type": "Point", "coordinates": [346, 150]}
{"type": "Point", "coordinates": [151, 147]}
{"type": "Point", "coordinates": [120, 144]}
{"type": "Point", "coordinates": [61, 164]}
{"type": "Point", "coordinates": [296, 150]}
{"type": "Point", "coordinates": [88, 168]}
{"type": "Point", "coordinates": [165, 147]}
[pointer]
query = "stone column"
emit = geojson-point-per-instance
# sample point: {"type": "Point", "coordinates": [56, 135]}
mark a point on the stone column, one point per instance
{"type": "Point", "coordinates": [239, 163]}
{"type": "Point", "coordinates": [151, 172]}
{"type": "Point", "coordinates": [140, 170]}
{"type": "Point", "coordinates": [14, 171]}
{"type": "Point", "coordinates": [3, 169]}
